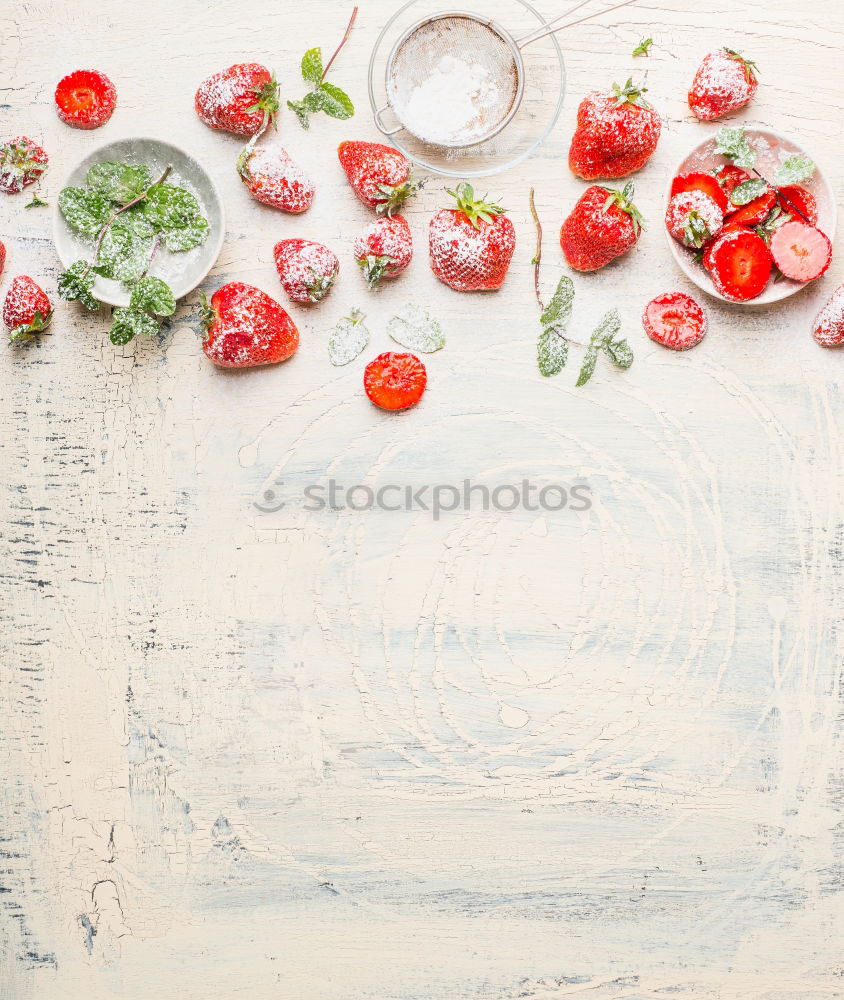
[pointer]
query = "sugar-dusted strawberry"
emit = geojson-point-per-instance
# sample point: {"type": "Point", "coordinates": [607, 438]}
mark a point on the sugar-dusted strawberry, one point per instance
{"type": "Point", "coordinates": [740, 265]}
{"type": "Point", "coordinates": [384, 249]}
{"type": "Point", "coordinates": [22, 162]}
{"type": "Point", "coordinates": [799, 203]}
{"type": "Point", "coordinates": [274, 178]}
{"type": "Point", "coordinates": [395, 381]}
{"type": "Point", "coordinates": [828, 328]}
{"type": "Point", "coordinates": [755, 212]}
{"type": "Point", "coordinates": [306, 269]}
{"type": "Point", "coordinates": [802, 252]}
{"type": "Point", "coordinates": [26, 310]}
{"type": "Point", "coordinates": [693, 217]}
{"type": "Point", "coordinates": [729, 177]}
{"type": "Point", "coordinates": [725, 81]}
{"type": "Point", "coordinates": [723, 233]}
{"type": "Point", "coordinates": [85, 99]}
{"type": "Point", "coordinates": [244, 328]}
{"type": "Point", "coordinates": [240, 99]}
{"type": "Point", "coordinates": [675, 320]}
{"type": "Point", "coordinates": [380, 176]}
{"type": "Point", "coordinates": [471, 246]}
{"type": "Point", "coordinates": [2, 257]}
{"type": "Point", "coordinates": [616, 133]}
{"type": "Point", "coordinates": [701, 182]}
{"type": "Point", "coordinates": [603, 225]}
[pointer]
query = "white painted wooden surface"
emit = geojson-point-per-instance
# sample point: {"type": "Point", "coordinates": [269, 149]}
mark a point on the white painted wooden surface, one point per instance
{"type": "Point", "coordinates": [336, 756]}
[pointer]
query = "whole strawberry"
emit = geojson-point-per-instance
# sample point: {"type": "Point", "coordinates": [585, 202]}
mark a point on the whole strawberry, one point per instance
{"type": "Point", "coordinates": [616, 133]}
{"type": "Point", "coordinates": [22, 162]}
{"type": "Point", "coordinates": [603, 225]}
{"type": "Point", "coordinates": [274, 178]}
{"type": "Point", "coordinates": [244, 328]}
{"type": "Point", "coordinates": [306, 270]}
{"type": "Point", "coordinates": [471, 246]}
{"type": "Point", "coordinates": [27, 310]}
{"type": "Point", "coordinates": [380, 176]}
{"type": "Point", "coordinates": [384, 249]}
{"type": "Point", "coordinates": [725, 81]}
{"type": "Point", "coordinates": [241, 99]}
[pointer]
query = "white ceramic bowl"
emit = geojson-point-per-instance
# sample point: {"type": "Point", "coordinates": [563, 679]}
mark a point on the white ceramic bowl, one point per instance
{"type": "Point", "coordinates": [773, 149]}
{"type": "Point", "coordinates": [182, 271]}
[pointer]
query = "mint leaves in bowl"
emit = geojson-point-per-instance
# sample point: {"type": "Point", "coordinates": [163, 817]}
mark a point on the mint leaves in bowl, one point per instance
{"type": "Point", "coordinates": [138, 225]}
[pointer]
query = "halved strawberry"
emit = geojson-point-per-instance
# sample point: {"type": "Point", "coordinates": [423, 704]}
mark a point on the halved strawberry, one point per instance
{"type": "Point", "coordinates": [801, 252]}
{"type": "Point", "coordinates": [674, 320]}
{"type": "Point", "coordinates": [755, 212]}
{"type": "Point", "coordinates": [740, 265]}
{"type": "Point", "coordinates": [729, 177]}
{"type": "Point", "coordinates": [701, 182]}
{"type": "Point", "coordinates": [794, 197]}
{"type": "Point", "coordinates": [85, 99]}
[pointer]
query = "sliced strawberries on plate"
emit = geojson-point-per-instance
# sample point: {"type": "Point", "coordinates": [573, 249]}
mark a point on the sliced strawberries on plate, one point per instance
{"type": "Point", "coordinates": [755, 212]}
{"type": "Point", "coordinates": [802, 252]}
{"type": "Point", "coordinates": [701, 182]}
{"type": "Point", "coordinates": [729, 177]}
{"type": "Point", "coordinates": [794, 197]}
{"type": "Point", "coordinates": [674, 320]}
{"type": "Point", "coordinates": [740, 265]}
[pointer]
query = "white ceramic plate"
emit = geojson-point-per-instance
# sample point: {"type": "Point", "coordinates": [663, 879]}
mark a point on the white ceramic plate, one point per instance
{"type": "Point", "coordinates": [773, 149]}
{"type": "Point", "coordinates": [182, 271]}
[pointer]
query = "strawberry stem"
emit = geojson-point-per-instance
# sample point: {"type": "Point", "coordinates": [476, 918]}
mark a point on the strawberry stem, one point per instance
{"type": "Point", "coordinates": [343, 41]}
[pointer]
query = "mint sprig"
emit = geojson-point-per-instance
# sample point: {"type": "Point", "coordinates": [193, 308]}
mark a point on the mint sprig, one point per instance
{"type": "Point", "coordinates": [794, 170]}
{"type": "Point", "coordinates": [604, 339]}
{"type": "Point", "coordinates": [642, 49]}
{"type": "Point", "coordinates": [151, 297]}
{"type": "Point", "coordinates": [733, 143]}
{"type": "Point", "coordinates": [323, 96]}
{"type": "Point", "coordinates": [552, 347]}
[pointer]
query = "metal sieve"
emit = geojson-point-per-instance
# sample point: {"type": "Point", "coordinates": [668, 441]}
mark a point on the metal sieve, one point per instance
{"type": "Point", "coordinates": [488, 56]}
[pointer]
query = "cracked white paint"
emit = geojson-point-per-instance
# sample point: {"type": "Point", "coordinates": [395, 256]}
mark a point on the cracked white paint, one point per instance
{"type": "Point", "coordinates": [346, 756]}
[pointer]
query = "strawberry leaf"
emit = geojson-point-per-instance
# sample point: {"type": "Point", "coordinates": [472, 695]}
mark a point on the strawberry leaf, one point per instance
{"type": "Point", "coordinates": [643, 47]}
{"type": "Point", "coordinates": [35, 203]}
{"type": "Point", "coordinates": [794, 170]}
{"type": "Point", "coordinates": [416, 329]}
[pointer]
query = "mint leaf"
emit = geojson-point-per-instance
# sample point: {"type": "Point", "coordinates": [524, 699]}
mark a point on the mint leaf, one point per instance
{"type": "Point", "coordinates": [558, 311]}
{"type": "Point", "coordinates": [619, 352]}
{"type": "Point", "coordinates": [748, 191]}
{"type": "Point", "coordinates": [733, 143]}
{"type": "Point", "coordinates": [587, 369]}
{"type": "Point", "coordinates": [347, 339]}
{"type": "Point", "coordinates": [191, 235]}
{"type": "Point", "coordinates": [124, 253]}
{"type": "Point", "coordinates": [775, 218]}
{"type": "Point", "coordinates": [312, 66]}
{"type": "Point", "coordinates": [86, 212]}
{"type": "Point", "coordinates": [128, 323]}
{"type": "Point", "coordinates": [416, 329]}
{"type": "Point", "coordinates": [794, 170]}
{"type": "Point", "coordinates": [642, 48]}
{"type": "Point", "coordinates": [552, 351]}
{"type": "Point", "coordinates": [119, 182]}
{"type": "Point", "coordinates": [335, 102]}
{"type": "Point", "coordinates": [153, 295]}
{"type": "Point", "coordinates": [76, 283]}
{"type": "Point", "coordinates": [176, 214]}
{"type": "Point", "coordinates": [603, 338]}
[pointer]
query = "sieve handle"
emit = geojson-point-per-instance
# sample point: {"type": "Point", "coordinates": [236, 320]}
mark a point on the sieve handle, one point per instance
{"type": "Point", "coordinates": [382, 128]}
{"type": "Point", "coordinates": [554, 26]}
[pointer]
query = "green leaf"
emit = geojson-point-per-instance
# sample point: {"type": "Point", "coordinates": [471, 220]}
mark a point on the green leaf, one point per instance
{"type": "Point", "coordinates": [603, 338]}
{"type": "Point", "coordinates": [119, 182]}
{"type": "Point", "coordinates": [347, 339]}
{"type": "Point", "coordinates": [552, 351]}
{"type": "Point", "coordinates": [76, 283]}
{"type": "Point", "coordinates": [334, 102]}
{"type": "Point", "coordinates": [558, 311]}
{"type": "Point", "coordinates": [35, 203]}
{"type": "Point", "coordinates": [416, 329]}
{"type": "Point", "coordinates": [301, 110]}
{"type": "Point", "coordinates": [124, 253]}
{"type": "Point", "coordinates": [128, 324]}
{"type": "Point", "coordinates": [642, 48]}
{"type": "Point", "coordinates": [312, 66]}
{"type": "Point", "coordinates": [748, 191]}
{"type": "Point", "coordinates": [189, 236]}
{"type": "Point", "coordinates": [733, 143]}
{"type": "Point", "coordinates": [153, 295]}
{"type": "Point", "coordinates": [176, 215]}
{"type": "Point", "coordinates": [619, 352]}
{"type": "Point", "coordinates": [587, 369]}
{"type": "Point", "coordinates": [794, 170]}
{"type": "Point", "coordinates": [86, 212]}
{"type": "Point", "coordinates": [609, 326]}
{"type": "Point", "coordinates": [775, 218]}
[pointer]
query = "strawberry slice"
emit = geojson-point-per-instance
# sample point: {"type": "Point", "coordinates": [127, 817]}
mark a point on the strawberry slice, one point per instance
{"type": "Point", "coordinates": [701, 182]}
{"type": "Point", "coordinates": [740, 265]}
{"type": "Point", "coordinates": [793, 196]}
{"type": "Point", "coordinates": [674, 320]}
{"type": "Point", "coordinates": [85, 99]}
{"type": "Point", "coordinates": [800, 251]}
{"type": "Point", "coordinates": [729, 177]}
{"type": "Point", "coordinates": [395, 381]}
{"type": "Point", "coordinates": [755, 212]}
{"type": "Point", "coordinates": [724, 231]}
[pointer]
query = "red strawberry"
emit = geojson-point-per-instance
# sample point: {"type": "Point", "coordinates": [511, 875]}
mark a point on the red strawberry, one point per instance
{"type": "Point", "coordinates": [384, 249]}
{"type": "Point", "coordinates": [244, 327]}
{"type": "Point", "coordinates": [379, 175]}
{"type": "Point", "coordinates": [828, 330]}
{"type": "Point", "coordinates": [723, 232]}
{"type": "Point", "coordinates": [674, 320]}
{"type": "Point", "coordinates": [85, 99]}
{"type": "Point", "coordinates": [729, 177]}
{"type": "Point", "coordinates": [306, 270]}
{"type": "Point", "coordinates": [240, 99]}
{"type": "Point", "coordinates": [693, 218]}
{"type": "Point", "coordinates": [793, 197]}
{"type": "Point", "coordinates": [616, 133]}
{"type": "Point", "coordinates": [740, 265]}
{"type": "Point", "coordinates": [725, 81]}
{"type": "Point", "coordinates": [395, 381]}
{"type": "Point", "coordinates": [471, 246]}
{"type": "Point", "coordinates": [22, 162]}
{"type": "Point", "coordinates": [800, 251]}
{"type": "Point", "coordinates": [274, 178]}
{"type": "Point", "coordinates": [2, 257]}
{"type": "Point", "coordinates": [27, 310]}
{"type": "Point", "coordinates": [755, 212]}
{"type": "Point", "coordinates": [701, 182]}
{"type": "Point", "coordinates": [603, 225]}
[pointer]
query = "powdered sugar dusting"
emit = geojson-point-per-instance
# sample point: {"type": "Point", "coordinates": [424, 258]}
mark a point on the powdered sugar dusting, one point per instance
{"type": "Point", "coordinates": [386, 237]}
{"type": "Point", "coordinates": [722, 84]}
{"type": "Point", "coordinates": [275, 178]}
{"type": "Point", "coordinates": [470, 259]}
{"type": "Point", "coordinates": [828, 329]}
{"type": "Point", "coordinates": [222, 100]}
{"type": "Point", "coordinates": [681, 208]}
{"type": "Point", "coordinates": [306, 269]}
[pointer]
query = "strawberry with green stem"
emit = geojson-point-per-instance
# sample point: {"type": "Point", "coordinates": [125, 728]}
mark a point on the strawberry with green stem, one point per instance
{"type": "Point", "coordinates": [26, 309]}
{"type": "Point", "coordinates": [242, 99]}
{"type": "Point", "coordinates": [22, 162]}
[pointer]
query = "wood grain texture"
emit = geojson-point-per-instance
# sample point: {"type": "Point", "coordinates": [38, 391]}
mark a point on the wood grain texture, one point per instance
{"type": "Point", "coordinates": [374, 755]}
